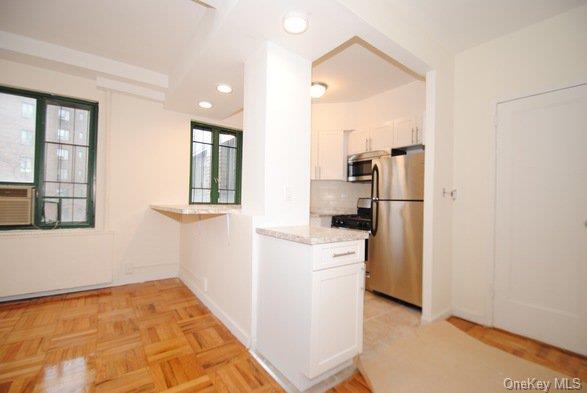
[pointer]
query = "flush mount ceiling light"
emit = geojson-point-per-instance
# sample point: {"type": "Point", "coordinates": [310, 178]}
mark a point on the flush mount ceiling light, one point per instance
{"type": "Point", "coordinates": [295, 22]}
{"type": "Point", "coordinates": [224, 88]}
{"type": "Point", "coordinates": [205, 104]}
{"type": "Point", "coordinates": [318, 89]}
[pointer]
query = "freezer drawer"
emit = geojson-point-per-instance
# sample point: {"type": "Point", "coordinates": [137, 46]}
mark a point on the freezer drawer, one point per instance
{"type": "Point", "coordinates": [395, 251]}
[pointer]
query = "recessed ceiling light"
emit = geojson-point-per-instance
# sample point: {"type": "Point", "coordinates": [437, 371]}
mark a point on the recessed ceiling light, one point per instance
{"type": "Point", "coordinates": [205, 104]}
{"type": "Point", "coordinates": [295, 22]}
{"type": "Point", "coordinates": [318, 89]}
{"type": "Point", "coordinates": [224, 88]}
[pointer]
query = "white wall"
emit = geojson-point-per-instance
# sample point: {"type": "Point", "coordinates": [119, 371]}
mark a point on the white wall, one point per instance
{"type": "Point", "coordinates": [216, 263]}
{"type": "Point", "coordinates": [143, 158]}
{"type": "Point", "coordinates": [374, 111]}
{"type": "Point", "coordinates": [550, 54]}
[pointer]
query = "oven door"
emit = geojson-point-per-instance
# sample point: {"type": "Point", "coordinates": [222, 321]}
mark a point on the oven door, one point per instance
{"type": "Point", "coordinates": [358, 171]}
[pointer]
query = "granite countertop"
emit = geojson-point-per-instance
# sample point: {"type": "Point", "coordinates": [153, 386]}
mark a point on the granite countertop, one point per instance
{"type": "Point", "coordinates": [314, 235]}
{"type": "Point", "coordinates": [197, 209]}
{"type": "Point", "coordinates": [331, 211]}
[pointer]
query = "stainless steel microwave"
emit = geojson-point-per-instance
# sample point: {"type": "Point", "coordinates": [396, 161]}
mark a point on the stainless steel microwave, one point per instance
{"type": "Point", "coordinates": [359, 165]}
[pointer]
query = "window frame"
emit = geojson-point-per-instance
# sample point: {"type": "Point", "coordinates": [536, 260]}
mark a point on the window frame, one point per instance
{"type": "Point", "coordinates": [214, 186]}
{"type": "Point", "coordinates": [42, 100]}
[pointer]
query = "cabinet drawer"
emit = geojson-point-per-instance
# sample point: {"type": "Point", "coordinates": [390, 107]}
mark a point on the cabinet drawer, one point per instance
{"type": "Point", "coordinates": [338, 254]}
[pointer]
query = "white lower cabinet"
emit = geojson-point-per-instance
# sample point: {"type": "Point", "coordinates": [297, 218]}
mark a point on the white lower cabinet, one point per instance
{"type": "Point", "coordinates": [309, 307]}
{"type": "Point", "coordinates": [336, 334]}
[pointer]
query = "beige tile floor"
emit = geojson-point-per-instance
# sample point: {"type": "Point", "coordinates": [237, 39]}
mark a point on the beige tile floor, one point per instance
{"type": "Point", "coordinates": [386, 321]}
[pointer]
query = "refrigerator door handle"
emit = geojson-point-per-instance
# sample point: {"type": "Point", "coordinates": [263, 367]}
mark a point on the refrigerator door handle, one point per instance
{"type": "Point", "coordinates": [374, 200]}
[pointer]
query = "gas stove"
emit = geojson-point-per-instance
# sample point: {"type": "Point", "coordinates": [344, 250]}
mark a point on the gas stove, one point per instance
{"type": "Point", "coordinates": [351, 221]}
{"type": "Point", "coordinates": [361, 220]}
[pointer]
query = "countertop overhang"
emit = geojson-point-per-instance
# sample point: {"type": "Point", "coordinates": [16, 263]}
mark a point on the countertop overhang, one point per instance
{"type": "Point", "coordinates": [196, 209]}
{"type": "Point", "coordinates": [311, 235]}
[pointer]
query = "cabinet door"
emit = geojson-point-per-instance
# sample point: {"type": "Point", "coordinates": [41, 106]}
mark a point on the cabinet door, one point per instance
{"type": "Point", "coordinates": [314, 156]}
{"type": "Point", "coordinates": [358, 141]}
{"type": "Point", "coordinates": [331, 155]}
{"type": "Point", "coordinates": [419, 129]}
{"type": "Point", "coordinates": [382, 138]}
{"type": "Point", "coordinates": [403, 132]}
{"type": "Point", "coordinates": [336, 333]}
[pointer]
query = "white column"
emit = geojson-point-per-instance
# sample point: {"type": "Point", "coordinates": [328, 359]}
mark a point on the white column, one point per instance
{"type": "Point", "coordinates": [276, 144]}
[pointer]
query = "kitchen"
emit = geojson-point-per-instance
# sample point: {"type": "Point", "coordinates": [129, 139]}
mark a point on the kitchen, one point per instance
{"type": "Point", "coordinates": [367, 177]}
{"type": "Point", "coordinates": [381, 146]}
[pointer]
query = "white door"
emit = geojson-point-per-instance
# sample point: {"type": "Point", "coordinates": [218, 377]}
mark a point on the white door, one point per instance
{"type": "Point", "coordinates": [331, 155]}
{"type": "Point", "coordinates": [358, 141]}
{"type": "Point", "coordinates": [403, 130]}
{"type": "Point", "coordinates": [336, 333]}
{"type": "Point", "coordinates": [541, 218]}
{"type": "Point", "coordinates": [382, 138]}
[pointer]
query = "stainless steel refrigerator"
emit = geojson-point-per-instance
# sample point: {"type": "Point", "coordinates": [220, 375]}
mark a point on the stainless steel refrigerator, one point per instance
{"type": "Point", "coordinates": [394, 260]}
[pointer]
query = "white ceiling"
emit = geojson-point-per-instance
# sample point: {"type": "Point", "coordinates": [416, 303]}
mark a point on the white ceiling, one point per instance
{"type": "Point", "coordinates": [146, 33]}
{"type": "Point", "coordinates": [180, 49]}
{"type": "Point", "coordinates": [462, 24]}
{"type": "Point", "coordinates": [356, 73]}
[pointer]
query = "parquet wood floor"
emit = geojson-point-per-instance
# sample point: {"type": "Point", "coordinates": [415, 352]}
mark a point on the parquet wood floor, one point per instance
{"type": "Point", "coordinates": [148, 337]}
{"type": "Point", "coordinates": [157, 336]}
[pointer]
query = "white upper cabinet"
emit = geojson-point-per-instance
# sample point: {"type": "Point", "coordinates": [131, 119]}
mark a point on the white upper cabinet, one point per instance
{"type": "Point", "coordinates": [419, 134]}
{"type": "Point", "coordinates": [328, 155]}
{"type": "Point", "coordinates": [381, 138]}
{"type": "Point", "coordinates": [330, 148]}
{"type": "Point", "coordinates": [358, 141]}
{"type": "Point", "coordinates": [314, 156]}
{"type": "Point", "coordinates": [404, 132]}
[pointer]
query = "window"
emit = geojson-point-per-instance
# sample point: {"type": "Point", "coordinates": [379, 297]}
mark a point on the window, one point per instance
{"type": "Point", "coordinates": [215, 171]}
{"type": "Point", "coordinates": [55, 152]}
{"type": "Point", "coordinates": [26, 165]}
{"type": "Point", "coordinates": [26, 137]}
{"type": "Point", "coordinates": [63, 135]}
{"type": "Point", "coordinates": [64, 114]}
{"type": "Point", "coordinates": [62, 154]}
{"type": "Point", "coordinates": [27, 110]}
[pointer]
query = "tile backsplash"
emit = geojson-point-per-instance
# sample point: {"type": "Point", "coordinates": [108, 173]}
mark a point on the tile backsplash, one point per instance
{"type": "Point", "coordinates": [336, 193]}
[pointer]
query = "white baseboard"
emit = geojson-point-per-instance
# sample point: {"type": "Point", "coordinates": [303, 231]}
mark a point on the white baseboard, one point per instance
{"type": "Point", "coordinates": [190, 280]}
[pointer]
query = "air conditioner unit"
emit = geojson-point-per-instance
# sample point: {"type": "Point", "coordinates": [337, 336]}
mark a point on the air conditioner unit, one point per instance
{"type": "Point", "coordinates": [16, 205]}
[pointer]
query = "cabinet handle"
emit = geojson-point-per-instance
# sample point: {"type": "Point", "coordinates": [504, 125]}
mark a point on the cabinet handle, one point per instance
{"type": "Point", "coordinates": [366, 144]}
{"type": "Point", "coordinates": [343, 254]}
